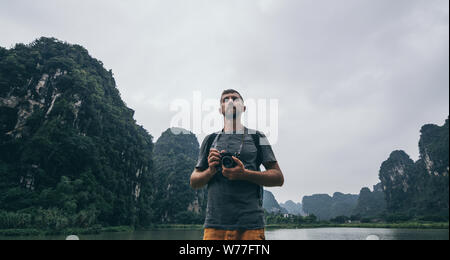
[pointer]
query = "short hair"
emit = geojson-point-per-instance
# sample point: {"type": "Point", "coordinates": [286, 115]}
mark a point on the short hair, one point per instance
{"type": "Point", "coordinates": [230, 91]}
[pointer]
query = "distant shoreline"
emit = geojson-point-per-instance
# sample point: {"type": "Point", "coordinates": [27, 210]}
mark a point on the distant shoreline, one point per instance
{"type": "Point", "coordinates": [37, 232]}
{"type": "Point", "coordinates": [413, 225]}
{"type": "Point", "coordinates": [408, 225]}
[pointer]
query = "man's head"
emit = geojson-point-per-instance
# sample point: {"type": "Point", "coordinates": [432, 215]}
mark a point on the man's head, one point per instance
{"type": "Point", "coordinates": [231, 104]}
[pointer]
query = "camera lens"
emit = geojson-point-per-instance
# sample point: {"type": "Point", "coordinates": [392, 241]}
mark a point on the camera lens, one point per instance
{"type": "Point", "coordinates": [227, 162]}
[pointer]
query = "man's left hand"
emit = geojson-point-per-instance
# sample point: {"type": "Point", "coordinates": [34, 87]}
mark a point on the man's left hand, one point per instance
{"type": "Point", "coordinates": [236, 173]}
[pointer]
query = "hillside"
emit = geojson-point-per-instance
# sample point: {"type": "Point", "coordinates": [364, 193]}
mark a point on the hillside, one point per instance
{"type": "Point", "coordinates": [325, 207]}
{"type": "Point", "coordinates": [419, 189]}
{"type": "Point", "coordinates": [175, 156]}
{"type": "Point", "coordinates": [71, 153]}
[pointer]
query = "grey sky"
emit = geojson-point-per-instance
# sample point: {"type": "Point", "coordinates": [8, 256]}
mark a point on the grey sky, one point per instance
{"type": "Point", "coordinates": [355, 79]}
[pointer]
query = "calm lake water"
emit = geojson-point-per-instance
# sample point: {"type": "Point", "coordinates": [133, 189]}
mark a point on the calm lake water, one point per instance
{"type": "Point", "coordinates": [275, 234]}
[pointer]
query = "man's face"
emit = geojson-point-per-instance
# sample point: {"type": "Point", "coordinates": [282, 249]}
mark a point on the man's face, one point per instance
{"type": "Point", "coordinates": [231, 105]}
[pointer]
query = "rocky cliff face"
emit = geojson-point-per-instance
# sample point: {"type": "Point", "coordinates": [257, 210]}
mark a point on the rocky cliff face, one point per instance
{"type": "Point", "coordinates": [270, 204]}
{"type": "Point", "coordinates": [396, 178]}
{"type": "Point", "coordinates": [39, 96]}
{"type": "Point", "coordinates": [420, 188]}
{"type": "Point", "coordinates": [293, 208]}
{"type": "Point", "coordinates": [371, 204]}
{"type": "Point", "coordinates": [176, 153]}
{"type": "Point", "coordinates": [326, 207]}
{"type": "Point", "coordinates": [434, 149]}
{"type": "Point", "coordinates": [62, 121]}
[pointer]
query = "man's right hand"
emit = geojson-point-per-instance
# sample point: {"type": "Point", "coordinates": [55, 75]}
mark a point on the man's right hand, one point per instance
{"type": "Point", "coordinates": [201, 178]}
{"type": "Point", "coordinates": [214, 160]}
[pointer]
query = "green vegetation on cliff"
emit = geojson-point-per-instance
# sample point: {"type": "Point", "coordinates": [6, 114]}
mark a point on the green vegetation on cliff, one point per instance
{"type": "Point", "coordinates": [71, 153]}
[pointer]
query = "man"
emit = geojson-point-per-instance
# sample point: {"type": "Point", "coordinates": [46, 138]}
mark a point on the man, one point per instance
{"type": "Point", "coordinates": [234, 210]}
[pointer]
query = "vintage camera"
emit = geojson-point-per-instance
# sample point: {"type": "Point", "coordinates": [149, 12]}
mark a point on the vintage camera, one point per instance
{"type": "Point", "coordinates": [227, 161]}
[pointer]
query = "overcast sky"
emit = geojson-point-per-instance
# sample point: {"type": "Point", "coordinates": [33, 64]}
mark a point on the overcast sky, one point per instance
{"type": "Point", "coordinates": [355, 79]}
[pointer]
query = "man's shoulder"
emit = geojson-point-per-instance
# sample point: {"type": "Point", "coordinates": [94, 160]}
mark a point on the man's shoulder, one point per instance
{"type": "Point", "coordinates": [259, 136]}
{"type": "Point", "coordinates": [249, 131]}
{"type": "Point", "coordinates": [209, 137]}
{"type": "Point", "coordinates": [255, 132]}
{"type": "Point", "coordinates": [211, 134]}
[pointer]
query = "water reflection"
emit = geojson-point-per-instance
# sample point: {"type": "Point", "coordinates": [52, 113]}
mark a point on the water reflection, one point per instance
{"type": "Point", "coordinates": [273, 234]}
{"type": "Point", "coordinates": [357, 234]}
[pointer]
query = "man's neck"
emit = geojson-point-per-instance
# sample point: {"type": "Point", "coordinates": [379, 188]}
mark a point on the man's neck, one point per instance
{"type": "Point", "coordinates": [233, 125]}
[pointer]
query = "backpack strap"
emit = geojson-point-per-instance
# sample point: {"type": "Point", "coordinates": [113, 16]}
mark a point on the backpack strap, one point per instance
{"type": "Point", "coordinates": [255, 138]}
{"type": "Point", "coordinates": [210, 141]}
{"type": "Point", "coordinates": [260, 190]}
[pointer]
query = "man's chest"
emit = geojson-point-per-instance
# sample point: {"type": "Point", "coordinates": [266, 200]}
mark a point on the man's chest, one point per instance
{"type": "Point", "coordinates": [233, 143]}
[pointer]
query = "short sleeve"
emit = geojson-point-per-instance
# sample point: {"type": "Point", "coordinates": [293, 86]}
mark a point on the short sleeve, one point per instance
{"type": "Point", "coordinates": [267, 154]}
{"type": "Point", "coordinates": [202, 161]}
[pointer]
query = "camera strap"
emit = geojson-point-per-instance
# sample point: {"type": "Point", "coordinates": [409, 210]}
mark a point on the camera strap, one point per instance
{"type": "Point", "coordinates": [242, 141]}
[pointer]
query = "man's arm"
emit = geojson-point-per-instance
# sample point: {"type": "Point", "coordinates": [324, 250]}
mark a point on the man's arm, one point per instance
{"type": "Point", "coordinates": [272, 177]}
{"type": "Point", "coordinates": [200, 178]}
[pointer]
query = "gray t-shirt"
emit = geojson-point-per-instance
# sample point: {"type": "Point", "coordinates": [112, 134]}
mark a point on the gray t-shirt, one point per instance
{"type": "Point", "coordinates": [235, 205]}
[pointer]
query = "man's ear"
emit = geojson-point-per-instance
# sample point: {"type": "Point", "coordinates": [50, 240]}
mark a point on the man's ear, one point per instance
{"type": "Point", "coordinates": [245, 108]}
{"type": "Point", "coordinates": [220, 110]}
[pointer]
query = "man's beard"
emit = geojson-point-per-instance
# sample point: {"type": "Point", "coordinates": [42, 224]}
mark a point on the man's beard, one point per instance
{"type": "Point", "coordinates": [231, 113]}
